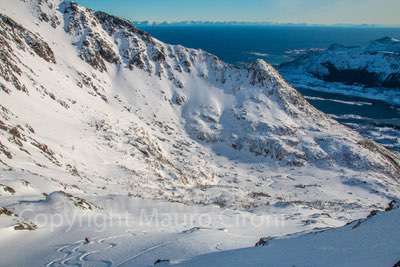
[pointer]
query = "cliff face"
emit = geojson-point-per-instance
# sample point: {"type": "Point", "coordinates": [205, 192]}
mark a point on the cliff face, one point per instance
{"type": "Point", "coordinates": [92, 104]}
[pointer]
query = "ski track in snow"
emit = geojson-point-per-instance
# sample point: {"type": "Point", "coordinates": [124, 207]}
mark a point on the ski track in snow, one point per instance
{"type": "Point", "coordinates": [73, 256]}
{"type": "Point", "coordinates": [183, 234]}
{"type": "Point", "coordinates": [143, 252]}
{"type": "Point", "coordinates": [155, 247]}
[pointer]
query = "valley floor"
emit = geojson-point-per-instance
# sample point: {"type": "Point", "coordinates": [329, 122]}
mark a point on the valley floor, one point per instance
{"type": "Point", "coordinates": [127, 231]}
{"type": "Point", "coordinates": [131, 232]}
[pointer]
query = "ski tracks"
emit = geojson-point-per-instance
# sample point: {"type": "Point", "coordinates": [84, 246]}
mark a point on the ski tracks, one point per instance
{"type": "Point", "coordinates": [78, 253]}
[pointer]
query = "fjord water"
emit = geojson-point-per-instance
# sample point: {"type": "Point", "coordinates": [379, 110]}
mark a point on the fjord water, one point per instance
{"type": "Point", "coordinates": [276, 44]}
{"type": "Point", "coordinates": [243, 43]}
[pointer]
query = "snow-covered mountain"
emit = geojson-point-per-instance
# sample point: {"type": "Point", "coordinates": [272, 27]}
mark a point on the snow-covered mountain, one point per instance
{"type": "Point", "coordinates": [373, 66]}
{"type": "Point", "coordinates": [361, 243]}
{"type": "Point", "coordinates": [93, 107]}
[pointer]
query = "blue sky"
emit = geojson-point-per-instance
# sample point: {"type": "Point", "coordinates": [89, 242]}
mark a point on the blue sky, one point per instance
{"type": "Point", "coordinates": [296, 11]}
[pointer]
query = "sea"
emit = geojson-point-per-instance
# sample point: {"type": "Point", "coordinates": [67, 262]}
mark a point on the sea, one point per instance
{"type": "Point", "coordinates": [276, 44]}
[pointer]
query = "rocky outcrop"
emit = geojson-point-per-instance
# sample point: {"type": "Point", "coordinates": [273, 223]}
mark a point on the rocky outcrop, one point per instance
{"type": "Point", "coordinates": [93, 47]}
{"type": "Point", "coordinates": [10, 31]}
{"type": "Point", "coordinates": [6, 212]}
{"type": "Point", "coordinates": [7, 189]}
{"type": "Point", "coordinates": [25, 226]}
{"type": "Point", "coordinates": [14, 35]}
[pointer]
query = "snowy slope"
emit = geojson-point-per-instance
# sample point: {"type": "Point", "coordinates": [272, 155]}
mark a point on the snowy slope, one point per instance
{"type": "Point", "coordinates": [371, 242]}
{"type": "Point", "coordinates": [370, 71]}
{"type": "Point", "coordinates": [96, 108]}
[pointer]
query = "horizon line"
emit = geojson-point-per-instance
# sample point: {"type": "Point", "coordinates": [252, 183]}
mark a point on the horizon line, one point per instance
{"type": "Point", "coordinates": [270, 23]}
{"type": "Point", "coordinates": [242, 22]}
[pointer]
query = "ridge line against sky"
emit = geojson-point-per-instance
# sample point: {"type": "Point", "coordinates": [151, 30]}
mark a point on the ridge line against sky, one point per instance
{"type": "Point", "coordinates": [319, 12]}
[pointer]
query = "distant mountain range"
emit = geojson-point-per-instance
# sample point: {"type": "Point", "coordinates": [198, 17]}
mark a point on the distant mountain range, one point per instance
{"type": "Point", "coordinates": [368, 69]}
{"type": "Point", "coordinates": [259, 23]}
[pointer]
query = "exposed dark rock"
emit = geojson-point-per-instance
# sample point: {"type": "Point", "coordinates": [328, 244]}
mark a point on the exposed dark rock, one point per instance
{"type": "Point", "coordinates": [373, 213]}
{"type": "Point", "coordinates": [359, 77]}
{"type": "Point", "coordinates": [161, 261]}
{"type": "Point", "coordinates": [41, 48]}
{"type": "Point", "coordinates": [6, 212]}
{"type": "Point", "coordinates": [259, 74]}
{"type": "Point", "coordinates": [5, 89]}
{"type": "Point", "coordinates": [9, 69]}
{"type": "Point", "coordinates": [15, 132]}
{"type": "Point", "coordinates": [259, 195]}
{"type": "Point", "coordinates": [264, 241]}
{"type": "Point", "coordinates": [304, 186]}
{"type": "Point", "coordinates": [11, 30]}
{"type": "Point", "coordinates": [7, 189]}
{"type": "Point", "coordinates": [5, 151]}
{"type": "Point", "coordinates": [180, 100]}
{"type": "Point", "coordinates": [79, 202]}
{"type": "Point", "coordinates": [159, 56]}
{"type": "Point", "coordinates": [94, 49]}
{"type": "Point", "coordinates": [12, 34]}
{"type": "Point", "coordinates": [393, 205]}
{"type": "Point", "coordinates": [50, 18]}
{"type": "Point", "coordinates": [112, 23]}
{"type": "Point", "coordinates": [3, 126]}
{"type": "Point", "coordinates": [46, 151]}
{"type": "Point", "coordinates": [44, 148]}
{"type": "Point", "coordinates": [72, 170]}
{"type": "Point", "coordinates": [89, 83]}
{"type": "Point", "coordinates": [25, 226]}
{"type": "Point", "coordinates": [137, 61]}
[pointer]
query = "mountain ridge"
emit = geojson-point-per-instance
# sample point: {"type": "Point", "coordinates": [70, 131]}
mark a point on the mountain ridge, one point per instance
{"type": "Point", "coordinates": [373, 67]}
